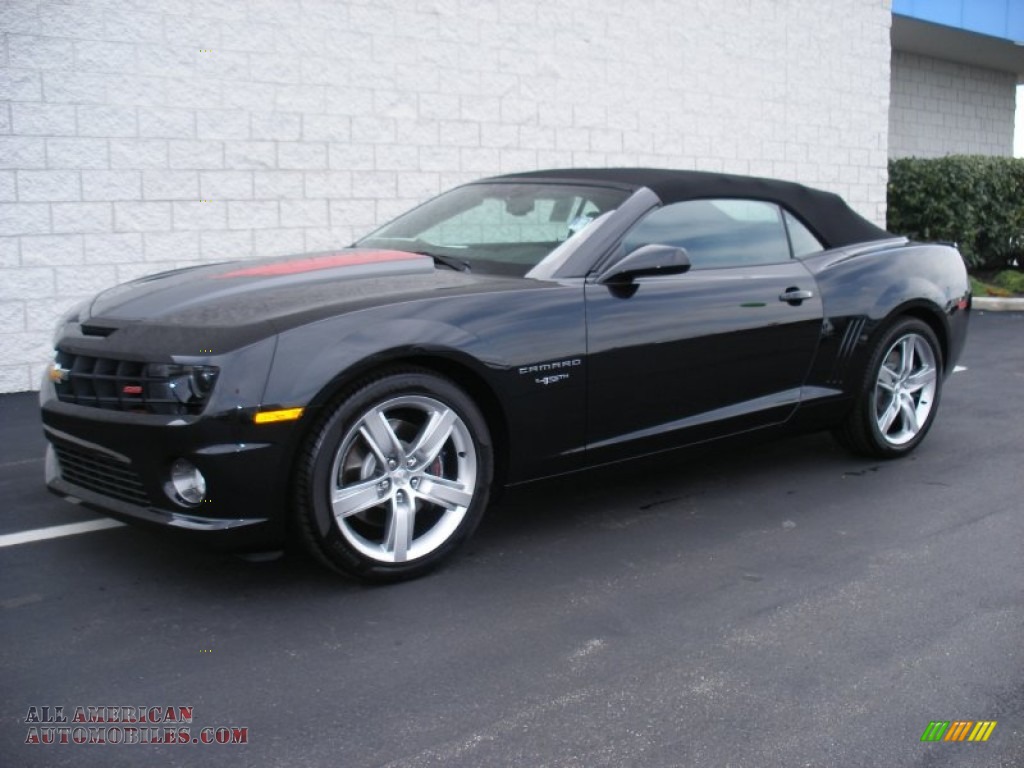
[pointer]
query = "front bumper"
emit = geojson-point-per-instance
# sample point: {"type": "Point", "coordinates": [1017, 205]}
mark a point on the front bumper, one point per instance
{"type": "Point", "coordinates": [119, 464]}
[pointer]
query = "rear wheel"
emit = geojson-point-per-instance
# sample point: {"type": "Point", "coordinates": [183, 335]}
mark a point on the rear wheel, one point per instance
{"type": "Point", "coordinates": [395, 478]}
{"type": "Point", "coordinates": [899, 397]}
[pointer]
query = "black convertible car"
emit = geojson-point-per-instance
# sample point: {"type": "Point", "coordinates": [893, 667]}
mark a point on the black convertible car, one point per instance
{"type": "Point", "coordinates": [367, 401]}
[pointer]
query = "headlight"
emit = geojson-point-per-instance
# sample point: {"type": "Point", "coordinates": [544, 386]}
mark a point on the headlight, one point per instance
{"type": "Point", "coordinates": [188, 384]}
{"type": "Point", "coordinates": [192, 383]}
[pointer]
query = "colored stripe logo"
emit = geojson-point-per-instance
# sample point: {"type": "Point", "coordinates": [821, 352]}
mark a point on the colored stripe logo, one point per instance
{"type": "Point", "coordinates": [958, 730]}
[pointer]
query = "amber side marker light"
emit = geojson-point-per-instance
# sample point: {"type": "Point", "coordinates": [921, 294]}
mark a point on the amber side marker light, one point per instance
{"type": "Point", "coordinates": [282, 414]}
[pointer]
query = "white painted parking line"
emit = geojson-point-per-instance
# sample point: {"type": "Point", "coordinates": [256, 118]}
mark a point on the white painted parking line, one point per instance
{"type": "Point", "coordinates": [959, 368]}
{"type": "Point", "coordinates": [56, 531]}
{"type": "Point", "coordinates": [19, 463]}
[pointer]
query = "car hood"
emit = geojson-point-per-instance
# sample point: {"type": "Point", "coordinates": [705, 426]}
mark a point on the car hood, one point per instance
{"type": "Point", "coordinates": [281, 291]}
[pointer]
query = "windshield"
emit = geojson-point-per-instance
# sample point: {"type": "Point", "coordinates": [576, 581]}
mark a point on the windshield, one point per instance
{"type": "Point", "coordinates": [503, 228]}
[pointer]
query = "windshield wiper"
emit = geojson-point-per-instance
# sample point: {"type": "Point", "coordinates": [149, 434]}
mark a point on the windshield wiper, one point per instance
{"type": "Point", "coordinates": [459, 265]}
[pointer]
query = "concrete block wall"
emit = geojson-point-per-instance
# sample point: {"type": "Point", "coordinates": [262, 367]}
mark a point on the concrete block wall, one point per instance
{"type": "Point", "coordinates": [142, 135]}
{"type": "Point", "coordinates": [940, 108]}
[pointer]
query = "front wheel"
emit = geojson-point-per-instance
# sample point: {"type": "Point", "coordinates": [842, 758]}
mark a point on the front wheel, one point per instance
{"type": "Point", "coordinates": [899, 397]}
{"type": "Point", "coordinates": [395, 478]}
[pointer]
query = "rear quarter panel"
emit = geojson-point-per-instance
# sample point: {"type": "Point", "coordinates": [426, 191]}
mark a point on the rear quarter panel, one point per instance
{"type": "Point", "coordinates": [864, 288]}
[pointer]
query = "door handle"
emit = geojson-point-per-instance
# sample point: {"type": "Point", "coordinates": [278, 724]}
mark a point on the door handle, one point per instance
{"type": "Point", "coordinates": [795, 296]}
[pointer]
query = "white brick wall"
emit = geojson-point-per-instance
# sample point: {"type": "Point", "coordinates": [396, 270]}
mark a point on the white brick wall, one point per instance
{"type": "Point", "coordinates": [942, 108]}
{"type": "Point", "coordinates": [139, 135]}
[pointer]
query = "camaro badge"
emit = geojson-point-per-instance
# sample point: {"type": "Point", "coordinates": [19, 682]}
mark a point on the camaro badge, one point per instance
{"type": "Point", "coordinates": [552, 366]}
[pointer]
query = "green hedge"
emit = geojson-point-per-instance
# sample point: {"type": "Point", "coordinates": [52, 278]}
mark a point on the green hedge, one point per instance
{"type": "Point", "coordinates": [975, 201]}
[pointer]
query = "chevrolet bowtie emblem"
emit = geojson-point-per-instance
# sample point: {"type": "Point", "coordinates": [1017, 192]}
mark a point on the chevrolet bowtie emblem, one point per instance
{"type": "Point", "coordinates": [58, 374]}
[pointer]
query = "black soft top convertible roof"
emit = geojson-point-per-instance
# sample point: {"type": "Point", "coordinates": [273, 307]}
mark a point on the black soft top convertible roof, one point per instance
{"type": "Point", "coordinates": [826, 214]}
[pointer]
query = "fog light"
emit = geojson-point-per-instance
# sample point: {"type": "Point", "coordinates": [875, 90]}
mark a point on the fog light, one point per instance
{"type": "Point", "coordinates": [188, 482]}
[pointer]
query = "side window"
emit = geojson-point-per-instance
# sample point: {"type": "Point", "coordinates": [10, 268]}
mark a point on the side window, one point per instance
{"type": "Point", "coordinates": [716, 233]}
{"type": "Point", "coordinates": [804, 243]}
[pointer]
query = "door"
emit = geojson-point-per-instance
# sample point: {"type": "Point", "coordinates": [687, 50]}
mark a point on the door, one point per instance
{"type": "Point", "coordinates": [723, 348]}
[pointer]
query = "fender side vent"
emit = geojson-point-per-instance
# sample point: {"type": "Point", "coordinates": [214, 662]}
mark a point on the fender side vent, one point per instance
{"type": "Point", "coordinates": [846, 347]}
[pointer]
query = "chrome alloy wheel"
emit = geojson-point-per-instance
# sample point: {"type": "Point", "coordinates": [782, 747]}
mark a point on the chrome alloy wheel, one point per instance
{"type": "Point", "coordinates": [403, 478]}
{"type": "Point", "coordinates": [905, 389]}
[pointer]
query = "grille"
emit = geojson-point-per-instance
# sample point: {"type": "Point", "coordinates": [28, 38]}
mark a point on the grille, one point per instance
{"type": "Point", "coordinates": [129, 385]}
{"type": "Point", "coordinates": [101, 474]}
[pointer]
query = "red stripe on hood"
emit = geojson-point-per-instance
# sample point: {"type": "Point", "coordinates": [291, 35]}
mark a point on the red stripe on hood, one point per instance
{"type": "Point", "coordinates": [329, 261]}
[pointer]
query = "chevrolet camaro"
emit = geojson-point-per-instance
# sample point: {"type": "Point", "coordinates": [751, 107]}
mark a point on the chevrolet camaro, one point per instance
{"type": "Point", "coordinates": [367, 402]}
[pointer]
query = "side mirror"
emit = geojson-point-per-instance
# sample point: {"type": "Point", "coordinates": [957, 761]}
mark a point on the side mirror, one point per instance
{"type": "Point", "coordinates": [645, 261]}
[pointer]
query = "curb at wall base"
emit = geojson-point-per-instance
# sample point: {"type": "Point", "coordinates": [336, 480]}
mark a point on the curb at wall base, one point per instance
{"type": "Point", "coordinates": [997, 304]}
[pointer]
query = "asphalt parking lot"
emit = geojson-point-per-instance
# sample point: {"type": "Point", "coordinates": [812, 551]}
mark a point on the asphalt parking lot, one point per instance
{"type": "Point", "coordinates": [781, 604]}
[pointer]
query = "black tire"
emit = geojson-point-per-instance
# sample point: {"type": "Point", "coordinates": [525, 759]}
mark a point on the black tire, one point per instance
{"type": "Point", "coordinates": [407, 456]}
{"type": "Point", "coordinates": [899, 395]}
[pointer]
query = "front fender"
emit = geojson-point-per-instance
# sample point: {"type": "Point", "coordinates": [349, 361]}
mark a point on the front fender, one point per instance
{"type": "Point", "coordinates": [312, 358]}
{"type": "Point", "coordinates": [527, 347]}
